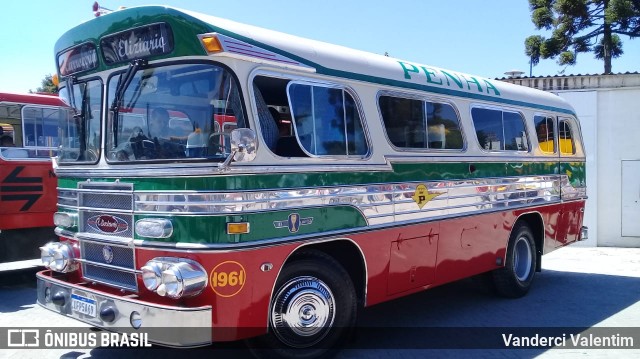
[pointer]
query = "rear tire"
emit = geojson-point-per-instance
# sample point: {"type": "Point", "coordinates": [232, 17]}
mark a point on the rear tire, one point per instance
{"type": "Point", "coordinates": [313, 309]}
{"type": "Point", "coordinates": [515, 278]}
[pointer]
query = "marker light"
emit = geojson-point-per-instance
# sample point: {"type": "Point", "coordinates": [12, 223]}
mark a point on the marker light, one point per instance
{"type": "Point", "coordinates": [65, 219]}
{"type": "Point", "coordinates": [58, 257]}
{"type": "Point", "coordinates": [154, 228]}
{"type": "Point", "coordinates": [211, 43]}
{"type": "Point", "coordinates": [174, 277]}
{"type": "Point", "coordinates": [238, 228]}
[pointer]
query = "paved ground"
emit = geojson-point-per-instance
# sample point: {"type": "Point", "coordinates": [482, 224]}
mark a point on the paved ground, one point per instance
{"type": "Point", "coordinates": [596, 288]}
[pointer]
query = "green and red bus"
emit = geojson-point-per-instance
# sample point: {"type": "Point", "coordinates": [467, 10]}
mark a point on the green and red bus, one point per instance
{"type": "Point", "coordinates": [327, 180]}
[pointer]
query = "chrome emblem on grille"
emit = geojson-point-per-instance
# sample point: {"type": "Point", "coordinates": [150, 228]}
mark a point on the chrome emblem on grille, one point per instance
{"type": "Point", "coordinates": [108, 224]}
{"type": "Point", "coordinates": [107, 254]}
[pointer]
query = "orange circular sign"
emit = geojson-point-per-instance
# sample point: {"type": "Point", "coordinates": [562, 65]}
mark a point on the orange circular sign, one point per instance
{"type": "Point", "coordinates": [227, 278]}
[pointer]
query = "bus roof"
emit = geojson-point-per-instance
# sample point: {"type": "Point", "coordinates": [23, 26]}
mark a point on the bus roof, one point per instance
{"type": "Point", "coordinates": [279, 49]}
{"type": "Point", "coordinates": [37, 99]}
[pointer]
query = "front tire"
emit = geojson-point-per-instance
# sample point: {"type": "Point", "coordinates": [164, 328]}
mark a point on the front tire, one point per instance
{"type": "Point", "coordinates": [313, 309]}
{"type": "Point", "coordinates": [515, 278]}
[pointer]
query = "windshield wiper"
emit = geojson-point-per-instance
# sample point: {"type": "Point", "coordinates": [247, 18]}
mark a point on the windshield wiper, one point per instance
{"type": "Point", "coordinates": [123, 83]}
{"type": "Point", "coordinates": [70, 81]}
{"type": "Point", "coordinates": [78, 115]}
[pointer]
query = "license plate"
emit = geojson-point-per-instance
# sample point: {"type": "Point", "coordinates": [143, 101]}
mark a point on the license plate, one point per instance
{"type": "Point", "coordinates": [83, 305]}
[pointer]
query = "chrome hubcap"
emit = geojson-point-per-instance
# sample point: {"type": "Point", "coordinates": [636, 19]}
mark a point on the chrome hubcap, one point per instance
{"type": "Point", "coordinates": [522, 259]}
{"type": "Point", "coordinates": [303, 312]}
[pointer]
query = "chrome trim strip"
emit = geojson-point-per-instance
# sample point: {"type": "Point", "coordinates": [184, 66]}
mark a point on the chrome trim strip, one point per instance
{"type": "Point", "coordinates": [108, 266]}
{"type": "Point", "coordinates": [104, 239]}
{"type": "Point", "coordinates": [166, 170]}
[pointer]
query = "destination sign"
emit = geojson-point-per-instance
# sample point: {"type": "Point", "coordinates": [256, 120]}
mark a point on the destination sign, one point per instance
{"type": "Point", "coordinates": [78, 59]}
{"type": "Point", "coordinates": [141, 42]}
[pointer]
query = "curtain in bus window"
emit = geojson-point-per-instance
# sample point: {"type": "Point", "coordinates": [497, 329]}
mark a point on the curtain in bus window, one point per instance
{"type": "Point", "coordinates": [567, 147]}
{"type": "Point", "coordinates": [515, 136]}
{"type": "Point", "coordinates": [545, 133]}
{"type": "Point", "coordinates": [488, 124]}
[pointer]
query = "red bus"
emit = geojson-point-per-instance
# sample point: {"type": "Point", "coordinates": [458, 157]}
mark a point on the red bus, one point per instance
{"type": "Point", "coordinates": [28, 140]}
{"type": "Point", "coordinates": [325, 180]}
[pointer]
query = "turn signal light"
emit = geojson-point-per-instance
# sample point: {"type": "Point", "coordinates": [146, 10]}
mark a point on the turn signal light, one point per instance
{"type": "Point", "coordinates": [211, 43]}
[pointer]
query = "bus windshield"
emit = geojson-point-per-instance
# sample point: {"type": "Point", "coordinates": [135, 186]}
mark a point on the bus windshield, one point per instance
{"type": "Point", "coordinates": [173, 112]}
{"type": "Point", "coordinates": [79, 130]}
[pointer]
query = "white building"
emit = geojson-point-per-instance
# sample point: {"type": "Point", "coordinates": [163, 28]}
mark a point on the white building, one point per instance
{"type": "Point", "coordinates": [609, 110]}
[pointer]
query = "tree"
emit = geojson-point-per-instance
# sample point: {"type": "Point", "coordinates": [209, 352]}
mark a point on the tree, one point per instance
{"type": "Point", "coordinates": [582, 26]}
{"type": "Point", "coordinates": [47, 85]}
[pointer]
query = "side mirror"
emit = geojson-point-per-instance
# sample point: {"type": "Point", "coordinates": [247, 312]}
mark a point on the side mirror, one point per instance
{"type": "Point", "coordinates": [243, 144]}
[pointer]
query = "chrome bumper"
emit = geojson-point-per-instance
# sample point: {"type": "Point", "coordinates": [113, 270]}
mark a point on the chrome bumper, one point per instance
{"type": "Point", "coordinates": [165, 325]}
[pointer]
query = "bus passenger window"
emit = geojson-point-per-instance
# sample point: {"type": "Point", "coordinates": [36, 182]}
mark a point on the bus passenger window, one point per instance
{"type": "Point", "coordinates": [565, 138]}
{"type": "Point", "coordinates": [499, 130]}
{"type": "Point", "coordinates": [443, 127]}
{"type": "Point", "coordinates": [327, 121]}
{"type": "Point", "coordinates": [545, 133]}
{"type": "Point", "coordinates": [417, 124]}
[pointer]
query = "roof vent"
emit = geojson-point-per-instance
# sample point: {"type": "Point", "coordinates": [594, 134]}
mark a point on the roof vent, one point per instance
{"type": "Point", "coordinates": [512, 74]}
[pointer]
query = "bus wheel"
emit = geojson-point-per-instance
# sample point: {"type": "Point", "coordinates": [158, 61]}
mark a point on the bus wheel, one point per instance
{"type": "Point", "coordinates": [515, 278]}
{"type": "Point", "coordinates": [312, 312]}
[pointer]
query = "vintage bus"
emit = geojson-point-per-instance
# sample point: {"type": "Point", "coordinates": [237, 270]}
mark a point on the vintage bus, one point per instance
{"type": "Point", "coordinates": [328, 180]}
{"type": "Point", "coordinates": [28, 140]}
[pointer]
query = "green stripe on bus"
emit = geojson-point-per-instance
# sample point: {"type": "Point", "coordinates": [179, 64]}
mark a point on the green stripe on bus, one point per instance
{"type": "Point", "coordinates": [266, 225]}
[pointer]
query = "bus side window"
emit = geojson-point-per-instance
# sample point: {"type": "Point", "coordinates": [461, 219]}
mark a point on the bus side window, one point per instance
{"type": "Point", "coordinates": [417, 124]}
{"type": "Point", "coordinates": [40, 128]}
{"type": "Point", "coordinates": [499, 130]}
{"type": "Point", "coordinates": [327, 121]}
{"type": "Point", "coordinates": [545, 133]}
{"type": "Point", "coordinates": [275, 125]}
{"type": "Point", "coordinates": [565, 138]}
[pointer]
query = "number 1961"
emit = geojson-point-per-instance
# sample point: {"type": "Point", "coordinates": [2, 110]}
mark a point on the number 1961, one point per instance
{"type": "Point", "coordinates": [223, 279]}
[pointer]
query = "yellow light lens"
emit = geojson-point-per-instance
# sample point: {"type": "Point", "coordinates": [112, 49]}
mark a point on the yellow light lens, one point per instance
{"type": "Point", "coordinates": [211, 43]}
{"type": "Point", "coordinates": [55, 79]}
{"type": "Point", "coordinates": [238, 228]}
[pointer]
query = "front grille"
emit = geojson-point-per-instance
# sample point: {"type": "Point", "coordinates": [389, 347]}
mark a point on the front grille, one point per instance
{"type": "Point", "coordinates": [107, 195]}
{"type": "Point", "coordinates": [105, 222]}
{"type": "Point", "coordinates": [122, 201]}
{"type": "Point", "coordinates": [120, 259]}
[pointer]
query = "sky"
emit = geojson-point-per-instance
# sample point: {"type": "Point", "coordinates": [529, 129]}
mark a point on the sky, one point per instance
{"type": "Point", "coordinates": [478, 37]}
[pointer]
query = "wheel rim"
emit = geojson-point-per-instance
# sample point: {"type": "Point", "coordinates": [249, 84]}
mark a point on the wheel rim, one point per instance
{"type": "Point", "coordinates": [303, 312]}
{"type": "Point", "coordinates": [522, 259]}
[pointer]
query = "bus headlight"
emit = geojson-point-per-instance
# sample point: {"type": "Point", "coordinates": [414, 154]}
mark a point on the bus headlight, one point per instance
{"type": "Point", "coordinates": [174, 277]}
{"type": "Point", "coordinates": [152, 275]}
{"type": "Point", "coordinates": [58, 257]}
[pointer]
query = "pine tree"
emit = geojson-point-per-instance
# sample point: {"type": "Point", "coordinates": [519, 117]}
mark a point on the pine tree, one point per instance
{"type": "Point", "coordinates": [582, 26]}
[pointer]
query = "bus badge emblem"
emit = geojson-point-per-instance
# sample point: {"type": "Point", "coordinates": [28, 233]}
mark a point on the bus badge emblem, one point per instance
{"type": "Point", "coordinates": [293, 222]}
{"type": "Point", "coordinates": [108, 224]}
{"type": "Point", "coordinates": [422, 195]}
{"type": "Point", "coordinates": [107, 254]}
